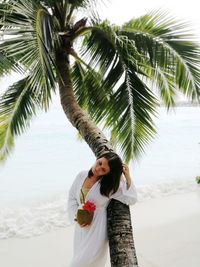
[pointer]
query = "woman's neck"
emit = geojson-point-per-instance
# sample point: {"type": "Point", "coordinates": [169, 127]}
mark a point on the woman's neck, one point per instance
{"type": "Point", "coordinates": [94, 178]}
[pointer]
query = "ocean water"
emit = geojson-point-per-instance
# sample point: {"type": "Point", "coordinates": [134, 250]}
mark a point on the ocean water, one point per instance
{"type": "Point", "coordinates": [35, 179]}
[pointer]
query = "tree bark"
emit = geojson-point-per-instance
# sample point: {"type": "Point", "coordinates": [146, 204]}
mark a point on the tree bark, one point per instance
{"type": "Point", "coordinates": [78, 117]}
{"type": "Point", "coordinates": [120, 235]}
{"type": "Point", "coordinates": [122, 250]}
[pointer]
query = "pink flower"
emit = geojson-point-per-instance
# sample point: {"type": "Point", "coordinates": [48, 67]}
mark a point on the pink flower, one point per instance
{"type": "Point", "coordinates": [89, 206]}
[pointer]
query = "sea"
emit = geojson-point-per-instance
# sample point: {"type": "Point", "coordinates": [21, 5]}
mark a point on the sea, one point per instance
{"type": "Point", "coordinates": [36, 178]}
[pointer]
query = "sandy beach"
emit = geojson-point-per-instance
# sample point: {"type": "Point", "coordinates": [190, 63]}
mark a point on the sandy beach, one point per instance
{"type": "Point", "coordinates": [166, 234]}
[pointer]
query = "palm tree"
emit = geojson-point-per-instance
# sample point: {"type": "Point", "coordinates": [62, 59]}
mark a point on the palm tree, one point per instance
{"type": "Point", "coordinates": [109, 74]}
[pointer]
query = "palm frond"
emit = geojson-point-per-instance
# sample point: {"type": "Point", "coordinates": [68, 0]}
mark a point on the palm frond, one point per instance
{"type": "Point", "coordinates": [81, 3]}
{"type": "Point", "coordinates": [130, 114]}
{"type": "Point", "coordinates": [90, 92]}
{"type": "Point", "coordinates": [8, 64]}
{"type": "Point", "coordinates": [32, 45]}
{"type": "Point", "coordinates": [173, 54]}
{"type": "Point", "coordinates": [17, 107]}
{"type": "Point", "coordinates": [99, 46]}
{"type": "Point", "coordinates": [131, 104]}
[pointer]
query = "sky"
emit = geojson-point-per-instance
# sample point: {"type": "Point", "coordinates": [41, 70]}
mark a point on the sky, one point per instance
{"type": "Point", "coordinates": [120, 11]}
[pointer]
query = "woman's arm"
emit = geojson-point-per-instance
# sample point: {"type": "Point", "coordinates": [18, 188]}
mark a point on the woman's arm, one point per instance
{"type": "Point", "coordinates": [72, 204]}
{"type": "Point", "coordinates": [126, 192]}
{"type": "Point", "coordinates": [127, 175]}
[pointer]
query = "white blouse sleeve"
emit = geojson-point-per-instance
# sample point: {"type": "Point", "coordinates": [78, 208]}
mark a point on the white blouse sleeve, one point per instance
{"type": "Point", "coordinates": [72, 204]}
{"type": "Point", "coordinates": [124, 195]}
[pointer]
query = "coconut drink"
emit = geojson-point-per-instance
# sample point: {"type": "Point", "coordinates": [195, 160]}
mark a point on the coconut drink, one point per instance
{"type": "Point", "coordinates": [85, 213]}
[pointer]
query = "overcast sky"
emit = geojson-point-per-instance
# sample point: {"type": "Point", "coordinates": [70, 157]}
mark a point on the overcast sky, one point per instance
{"type": "Point", "coordinates": [119, 11]}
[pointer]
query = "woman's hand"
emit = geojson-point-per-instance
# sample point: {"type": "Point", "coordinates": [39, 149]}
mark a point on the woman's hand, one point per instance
{"type": "Point", "coordinates": [84, 225]}
{"type": "Point", "coordinates": [127, 175]}
{"type": "Point", "coordinates": [126, 171]}
{"type": "Point", "coordinates": [81, 225]}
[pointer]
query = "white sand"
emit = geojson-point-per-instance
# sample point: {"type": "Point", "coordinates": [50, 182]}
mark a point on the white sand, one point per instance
{"type": "Point", "coordinates": [166, 234]}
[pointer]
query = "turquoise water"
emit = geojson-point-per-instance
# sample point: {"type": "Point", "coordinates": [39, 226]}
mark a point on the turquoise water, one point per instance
{"type": "Point", "coordinates": [48, 156]}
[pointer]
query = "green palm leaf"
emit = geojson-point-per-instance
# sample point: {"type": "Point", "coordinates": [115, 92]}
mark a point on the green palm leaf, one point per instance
{"type": "Point", "coordinates": [32, 45]}
{"type": "Point", "coordinates": [8, 64]}
{"type": "Point", "coordinates": [90, 92]}
{"type": "Point", "coordinates": [17, 106]}
{"type": "Point", "coordinates": [131, 104]}
{"type": "Point", "coordinates": [172, 52]}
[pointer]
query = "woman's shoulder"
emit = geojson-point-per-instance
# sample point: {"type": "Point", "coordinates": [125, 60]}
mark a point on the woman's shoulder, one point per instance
{"type": "Point", "coordinates": [82, 174]}
{"type": "Point", "coordinates": [79, 177]}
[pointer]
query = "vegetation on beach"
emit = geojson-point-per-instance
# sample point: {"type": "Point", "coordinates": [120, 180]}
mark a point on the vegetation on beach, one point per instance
{"type": "Point", "coordinates": [198, 179]}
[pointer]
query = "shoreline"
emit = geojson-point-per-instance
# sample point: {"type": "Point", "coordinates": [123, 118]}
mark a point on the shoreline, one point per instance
{"type": "Point", "coordinates": [165, 234]}
{"type": "Point", "coordinates": [41, 216]}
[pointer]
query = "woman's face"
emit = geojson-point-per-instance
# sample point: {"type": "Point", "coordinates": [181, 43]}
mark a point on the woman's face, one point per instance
{"type": "Point", "coordinates": [101, 167]}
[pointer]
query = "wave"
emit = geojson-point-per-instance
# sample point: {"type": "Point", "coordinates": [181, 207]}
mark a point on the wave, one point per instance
{"type": "Point", "coordinates": [44, 216]}
{"type": "Point", "coordinates": [148, 192]}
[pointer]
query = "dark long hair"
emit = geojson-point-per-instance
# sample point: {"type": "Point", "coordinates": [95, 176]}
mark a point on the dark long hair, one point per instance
{"type": "Point", "coordinates": [109, 183]}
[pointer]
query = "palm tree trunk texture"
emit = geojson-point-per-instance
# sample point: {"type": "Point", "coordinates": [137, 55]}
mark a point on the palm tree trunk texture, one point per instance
{"type": "Point", "coordinates": [120, 234]}
{"type": "Point", "coordinates": [78, 117]}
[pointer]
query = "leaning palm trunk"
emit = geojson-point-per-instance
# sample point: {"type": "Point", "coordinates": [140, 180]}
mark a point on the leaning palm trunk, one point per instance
{"type": "Point", "coordinates": [120, 235]}
{"type": "Point", "coordinates": [122, 250]}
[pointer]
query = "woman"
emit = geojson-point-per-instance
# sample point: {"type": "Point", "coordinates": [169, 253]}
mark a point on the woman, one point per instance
{"type": "Point", "coordinates": [103, 182]}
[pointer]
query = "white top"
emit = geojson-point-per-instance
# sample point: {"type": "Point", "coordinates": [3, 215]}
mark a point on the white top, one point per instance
{"type": "Point", "coordinates": [91, 242]}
